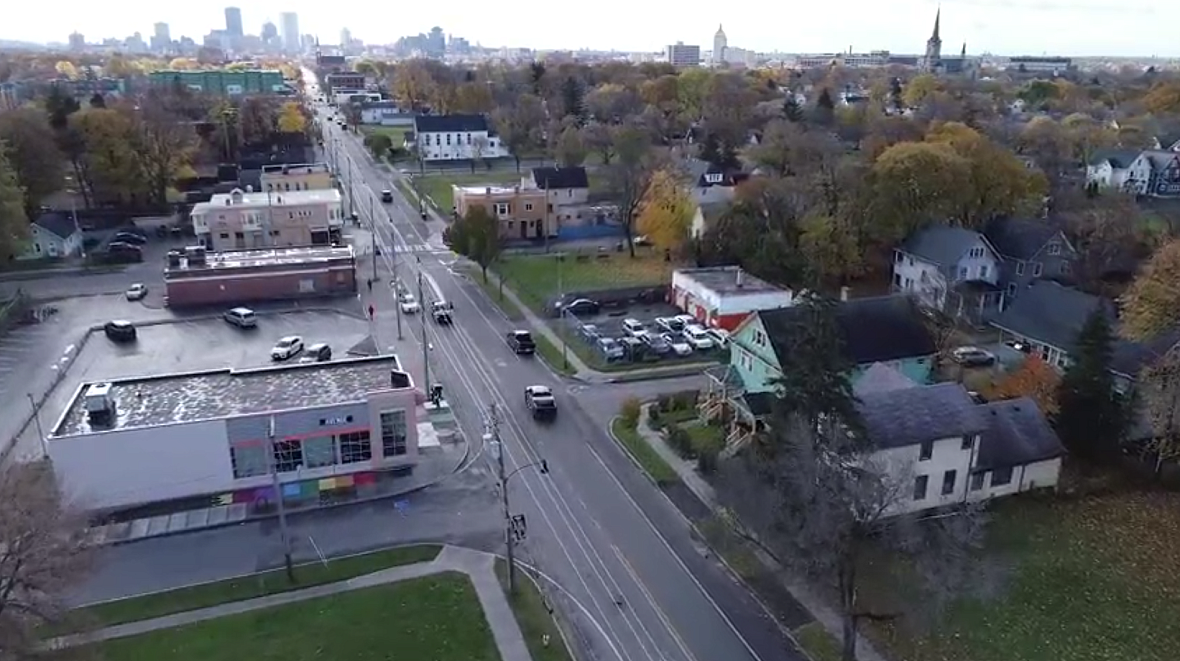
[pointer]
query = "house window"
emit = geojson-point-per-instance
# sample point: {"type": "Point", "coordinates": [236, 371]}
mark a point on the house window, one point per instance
{"type": "Point", "coordinates": [393, 433]}
{"type": "Point", "coordinates": [746, 359]}
{"type": "Point", "coordinates": [1011, 288]}
{"type": "Point", "coordinates": [528, 206]}
{"type": "Point", "coordinates": [926, 451]}
{"type": "Point", "coordinates": [759, 338]}
{"type": "Point", "coordinates": [1063, 268]}
{"type": "Point", "coordinates": [898, 257]}
{"type": "Point", "coordinates": [962, 272]}
{"type": "Point", "coordinates": [977, 481]}
{"type": "Point", "coordinates": [975, 252]}
{"type": "Point", "coordinates": [354, 447]}
{"type": "Point", "coordinates": [1054, 249]}
{"type": "Point", "coordinates": [1019, 268]}
{"type": "Point", "coordinates": [896, 279]}
{"type": "Point", "coordinates": [968, 443]}
{"type": "Point", "coordinates": [288, 456]}
{"type": "Point", "coordinates": [468, 138]}
{"type": "Point", "coordinates": [1001, 476]}
{"type": "Point", "coordinates": [983, 272]}
{"type": "Point", "coordinates": [920, 483]}
{"type": "Point", "coordinates": [1036, 269]}
{"type": "Point", "coordinates": [448, 139]}
{"type": "Point", "coordinates": [948, 482]}
{"type": "Point", "coordinates": [502, 208]}
{"type": "Point", "coordinates": [319, 451]}
{"type": "Point", "coordinates": [248, 461]}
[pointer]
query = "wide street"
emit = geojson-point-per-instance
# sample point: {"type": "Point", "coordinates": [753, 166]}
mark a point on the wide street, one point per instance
{"type": "Point", "coordinates": [632, 579]}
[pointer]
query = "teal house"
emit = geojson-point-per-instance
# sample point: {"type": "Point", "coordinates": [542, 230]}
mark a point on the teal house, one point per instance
{"type": "Point", "coordinates": [888, 330]}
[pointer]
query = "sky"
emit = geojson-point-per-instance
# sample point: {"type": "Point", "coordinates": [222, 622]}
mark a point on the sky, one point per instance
{"type": "Point", "coordinates": [1003, 27]}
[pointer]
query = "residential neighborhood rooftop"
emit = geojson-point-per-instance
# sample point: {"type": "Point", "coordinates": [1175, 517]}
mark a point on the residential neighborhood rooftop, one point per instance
{"type": "Point", "coordinates": [728, 280]}
{"type": "Point", "coordinates": [571, 177]}
{"type": "Point", "coordinates": [181, 398]}
{"type": "Point", "coordinates": [907, 416]}
{"type": "Point", "coordinates": [59, 223]}
{"type": "Point", "coordinates": [1017, 434]}
{"type": "Point", "coordinates": [450, 123]}
{"type": "Point", "coordinates": [267, 257]}
{"type": "Point", "coordinates": [240, 198]}
{"type": "Point", "coordinates": [1021, 238]}
{"type": "Point", "coordinates": [941, 245]}
{"type": "Point", "coordinates": [1051, 313]}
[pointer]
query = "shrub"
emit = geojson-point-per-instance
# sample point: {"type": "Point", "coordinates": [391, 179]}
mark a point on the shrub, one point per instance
{"type": "Point", "coordinates": [680, 441]}
{"type": "Point", "coordinates": [653, 418]}
{"type": "Point", "coordinates": [685, 400]}
{"type": "Point", "coordinates": [708, 454]}
{"type": "Point", "coordinates": [664, 403]}
{"type": "Point", "coordinates": [630, 412]}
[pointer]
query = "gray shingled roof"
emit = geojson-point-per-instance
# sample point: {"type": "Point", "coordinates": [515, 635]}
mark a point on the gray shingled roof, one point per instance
{"type": "Point", "coordinates": [58, 223]}
{"type": "Point", "coordinates": [909, 416]}
{"type": "Point", "coordinates": [878, 329]}
{"type": "Point", "coordinates": [1119, 158]}
{"type": "Point", "coordinates": [1129, 358]}
{"type": "Point", "coordinates": [1160, 160]}
{"type": "Point", "coordinates": [943, 246]}
{"type": "Point", "coordinates": [1017, 434]}
{"type": "Point", "coordinates": [1020, 238]}
{"type": "Point", "coordinates": [450, 123]}
{"type": "Point", "coordinates": [880, 377]}
{"type": "Point", "coordinates": [1051, 313]}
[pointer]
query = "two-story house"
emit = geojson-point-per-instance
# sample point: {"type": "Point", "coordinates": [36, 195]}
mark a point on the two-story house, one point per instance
{"type": "Point", "coordinates": [242, 220]}
{"type": "Point", "coordinates": [54, 234]}
{"type": "Point", "coordinates": [1165, 173]}
{"type": "Point", "coordinates": [281, 177]}
{"type": "Point", "coordinates": [1047, 316]}
{"type": "Point", "coordinates": [950, 269]}
{"type": "Point", "coordinates": [456, 138]}
{"type": "Point", "coordinates": [711, 184]}
{"type": "Point", "coordinates": [520, 210]}
{"type": "Point", "coordinates": [1029, 249]}
{"type": "Point", "coordinates": [1118, 169]}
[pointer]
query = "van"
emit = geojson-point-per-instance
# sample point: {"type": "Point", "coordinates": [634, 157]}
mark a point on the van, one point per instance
{"type": "Point", "coordinates": [241, 317]}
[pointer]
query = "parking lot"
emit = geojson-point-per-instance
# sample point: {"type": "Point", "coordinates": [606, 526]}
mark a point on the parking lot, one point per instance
{"type": "Point", "coordinates": [609, 323]}
{"type": "Point", "coordinates": [192, 345]}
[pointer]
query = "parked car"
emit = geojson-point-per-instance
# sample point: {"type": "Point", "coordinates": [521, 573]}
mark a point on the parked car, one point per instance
{"type": "Point", "coordinates": [128, 237]}
{"type": "Point", "coordinates": [541, 402]}
{"type": "Point", "coordinates": [634, 328]}
{"type": "Point", "coordinates": [287, 347]}
{"type": "Point", "coordinates": [136, 292]}
{"type": "Point", "coordinates": [387, 196]}
{"type": "Point", "coordinates": [118, 252]}
{"type": "Point", "coordinates": [521, 342]}
{"type": "Point", "coordinates": [720, 336]}
{"type": "Point", "coordinates": [679, 344]}
{"type": "Point", "coordinates": [610, 349]}
{"type": "Point", "coordinates": [317, 353]}
{"type": "Point", "coordinates": [241, 317]}
{"type": "Point", "coordinates": [634, 349]}
{"type": "Point", "coordinates": [973, 357]}
{"type": "Point", "coordinates": [408, 303]}
{"type": "Point", "coordinates": [657, 344]}
{"type": "Point", "coordinates": [699, 338]}
{"type": "Point", "coordinates": [119, 331]}
{"type": "Point", "coordinates": [589, 332]}
{"type": "Point", "coordinates": [668, 324]}
{"type": "Point", "coordinates": [579, 307]}
{"type": "Point", "coordinates": [687, 320]}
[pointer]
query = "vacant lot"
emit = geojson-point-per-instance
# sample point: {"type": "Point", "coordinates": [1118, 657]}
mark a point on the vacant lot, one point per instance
{"type": "Point", "coordinates": [435, 617]}
{"type": "Point", "coordinates": [395, 133]}
{"type": "Point", "coordinates": [535, 278]}
{"type": "Point", "coordinates": [438, 187]}
{"type": "Point", "coordinates": [1092, 579]}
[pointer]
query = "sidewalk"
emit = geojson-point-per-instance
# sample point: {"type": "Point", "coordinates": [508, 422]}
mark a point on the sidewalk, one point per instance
{"type": "Point", "coordinates": [686, 470]}
{"type": "Point", "coordinates": [477, 565]}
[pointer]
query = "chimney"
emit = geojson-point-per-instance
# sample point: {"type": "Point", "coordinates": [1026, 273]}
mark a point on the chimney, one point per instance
{"type": "Point", "coordinates": [740, 279]}
{"type": "Point", "coordinates": [844, 293]}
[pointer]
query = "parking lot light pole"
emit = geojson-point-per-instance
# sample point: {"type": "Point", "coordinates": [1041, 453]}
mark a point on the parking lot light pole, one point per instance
{"type": "Point", "coordinates": [511, 531]}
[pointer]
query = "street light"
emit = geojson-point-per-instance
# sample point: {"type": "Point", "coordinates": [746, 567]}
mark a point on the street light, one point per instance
{"type": "Point", "coordinates": [513, 526]}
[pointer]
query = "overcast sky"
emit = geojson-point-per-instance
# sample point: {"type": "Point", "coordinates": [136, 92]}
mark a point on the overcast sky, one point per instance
{"type": "Point", "coordinates": [1008, 27]}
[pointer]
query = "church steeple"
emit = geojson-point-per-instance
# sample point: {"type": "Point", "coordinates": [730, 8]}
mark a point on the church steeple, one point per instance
{"type": "Point", "coordinates": [937, 20]}
{"type": "Point", "coordinates": [933, 58]}
{"type": "Point", "coordinates": [963, 53]}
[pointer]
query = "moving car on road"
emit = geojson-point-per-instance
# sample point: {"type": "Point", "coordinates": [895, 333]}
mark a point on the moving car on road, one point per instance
{"type": "Point", "coordinates": [680, 346]}
{"type": "Point", "coordinates": [521, 342]}
{"type": "Point", "coordinates": [441, 311]}
{"type": "Point", "coordinates": [387, 196]}
{"type": "Point", "coordinates": [136, 292]}
{"type": "Point", "coordinates": [408, 303]}
{"type": "Point", "coordinates": [540, 401]}
{"type": "Point", "coordinates": [119, 331]}
{"type": "Point", "coordinates": [287, 347]}
{"type": "Point", "coordinates": [973, 357]}
{"type": "Point", "coordinates": [241, 317]}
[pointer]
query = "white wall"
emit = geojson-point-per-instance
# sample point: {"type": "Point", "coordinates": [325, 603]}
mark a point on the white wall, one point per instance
{"type": "Point", "coordinates": [128, 467]}
{"type": "Point", "coordinates": [948, 454]}
{"type": "Point", "coordinates": [1039, 475]}
{"type": "Point", "coordinates": [920, 278]}
{"type": "Point", "coordinates": [434, 147]}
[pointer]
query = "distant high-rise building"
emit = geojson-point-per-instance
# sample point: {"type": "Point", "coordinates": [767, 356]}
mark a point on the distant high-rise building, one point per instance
{"type": "Point", "coordinates": [289, 29]}
{"type": "Point", "coordinates": [77, 41]}
{"type": "Point", "coordinates": [233, 21]}
{"type": "Point", "coordinates": [437, 41]}
{"type": "Point", "coordinates": [680, 54]}
{"type": "Point", "coordinates": [161, 38]}
{"type": "Point", "coordinates": [345, 38]}
{"type": "Point", "coordinates": [720, 43]}
{"type": "Point", "coordinates": [270, 34]}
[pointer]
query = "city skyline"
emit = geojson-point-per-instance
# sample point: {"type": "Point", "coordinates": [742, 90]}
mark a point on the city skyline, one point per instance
{"type": "Point", "coordinates": [1011, 27]}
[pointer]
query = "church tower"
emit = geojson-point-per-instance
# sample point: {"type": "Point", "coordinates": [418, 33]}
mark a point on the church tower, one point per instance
{"type": "Point", "coordinates": [933, 47]}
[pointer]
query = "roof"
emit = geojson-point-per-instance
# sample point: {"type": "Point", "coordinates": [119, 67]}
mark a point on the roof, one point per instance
{"type": "Point", "coordinates": [218, 263]}
{"type": "Point", "coordinates": [450, 123]}
{"type": "Point", "coordinates": [1020, 238]}
{"type": "Point", "coordinates": [240, 198]}
{"type": "Point", "coordinates": [880, 377]}
{"type": "Point", "coordinates": [549, 178]}
{"type": "Point", "coordinates": [697, 169]}
{"type": "Point", "coordinates": [1168, 140]}
{"type": "Point", "coordinates": [1118, 158]}
{"type": "Point", "coordinates": [216, 394]}
{"type": "Point", "coordinates": [1161, 159]}
{"type": "Point", "coordinates": [1050, 313]}
{"type": "Point", "coordinates": [1129, 358]}
{"type": "Point", "coordinates": [874, 330]}
{"type": "Point", "coordinates": [1017, 434]}
{"type": "Point", "coordinates": [728, 280]}
{"type": "Point", "coordinates": [58, 223]}
{"type": "Point", "coordinates": [909, 416]}
{"type": "Point", "coordinates": [941, 245]}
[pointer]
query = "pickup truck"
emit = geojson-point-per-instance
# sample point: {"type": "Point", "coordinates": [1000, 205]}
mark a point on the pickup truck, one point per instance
{"type": "Point", "coordinates": [540, 402]}
{"type": "Point", "coordinates": [521, 342]}
{"type": "Point", "coordinates": [441, 311]}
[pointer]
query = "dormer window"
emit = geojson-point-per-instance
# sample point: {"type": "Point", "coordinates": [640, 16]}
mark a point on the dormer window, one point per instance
{"type": "Point", "coordinates": [1054, 249]}
{"type": "Point", "coordinates": [976, 252]}
{"type": "Point", "coordinates": [713, 178]}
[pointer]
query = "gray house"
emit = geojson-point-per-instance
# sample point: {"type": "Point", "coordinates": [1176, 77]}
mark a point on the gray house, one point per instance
{"type": "Point", "coordinates": [1029, 250]}
{"type": "Point", "coordinates": [950, 269]}
{"type": "Point", "coordinates": [1047, 317]}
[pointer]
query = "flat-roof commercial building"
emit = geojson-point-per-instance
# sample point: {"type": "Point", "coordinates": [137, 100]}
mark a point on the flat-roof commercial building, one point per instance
{"type": "Point", "coordinates": [283, 178]}
{"type": "Point", "coordinates": [241, 220]}
{"type": "Point", "coordinates": [723, 296]}
{"type": "Point", "coordinates": [320, 426]}
{"type": "Point", "coordinates": [196, 278]}
{"type": "Point", "coordinates": [224, 82]}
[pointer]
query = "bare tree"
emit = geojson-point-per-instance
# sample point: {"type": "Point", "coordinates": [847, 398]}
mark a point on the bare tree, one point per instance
{"type": "Point", "coordinates": [162, 144]}
{"type": "Point", "coordinates": [1160, 398]}
{"type": "Point", "coordinates": [45, 548]}
{"type": "Point", "coordinates": [628, 179]}
{"type": "Point", "coordinates": [479, 148]}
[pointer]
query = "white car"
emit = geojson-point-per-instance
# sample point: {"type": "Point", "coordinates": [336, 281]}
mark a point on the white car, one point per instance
{"type": "Point", "coordinates": [634, 328]}
{"type": "Point", "coordinates": [668, 324]}
{"type": "Point", "coordinates": [687, 320]}
{"type": "Point", "coordinates": [699, 338]}
{"type": "Point", "coordinates": [287, 347]}
{"type": "Point", "coordinates": [409, 304]}
{"type": "Point", "coordinates": [136, 292]}
{"type": "Point", "coordinates": [680, 346]}
{"type": "Point", "coordinates": [720, 336]}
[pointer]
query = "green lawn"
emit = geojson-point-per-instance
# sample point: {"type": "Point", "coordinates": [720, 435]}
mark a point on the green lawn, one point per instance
{"type": "Point", "coordinates": [396, 133]}
{"type": "Point", "coordinates": [249, 587]}
{"type": "Point", "coordinates": [435, 617]}
{"type": "Point", "coordinates": [644, 453]}
{"type": "Point", "coordinates": [438, 187]}
{"type": "Point", "coordinates": [535, 278]}
{"type": "Point", "coordinates": [817, 642]}
{"type": "Point", "coordinates": [533, 615]}
{"type": "Point", "coordinates": [1092, 579]}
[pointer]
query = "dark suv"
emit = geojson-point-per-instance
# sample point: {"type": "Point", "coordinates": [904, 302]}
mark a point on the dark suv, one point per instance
{"type": "Point", "coordinates": [119, 331]}
{"type": "Point", "coordinates": [521, 342]}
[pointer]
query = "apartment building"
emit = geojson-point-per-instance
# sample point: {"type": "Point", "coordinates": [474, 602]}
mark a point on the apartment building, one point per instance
{"type": "Point", "coordinates": [245, 220]}
{"type": "Point", "coordinates": [520, 210]}
{"type": "Point", "coordinates": [286, 178]}
{"type": "Point", "coordinates": [681, 54]}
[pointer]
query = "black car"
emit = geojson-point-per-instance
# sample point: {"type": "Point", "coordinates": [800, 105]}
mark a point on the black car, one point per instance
{"type": "Point", "coordinates": [119, 331]}
{"type": "Point", "coordinates": [521, 342]}
{"type": "Point", "coordinates": [318, 352]}
{"type": "Point", "coordinates": [123, 253]}
{"type": "Point", "coordinates": [579, 307]}
{"type": "Point", "coordinates": [129, 238]}
{"type": "Point", "coordinates": [387, 196]}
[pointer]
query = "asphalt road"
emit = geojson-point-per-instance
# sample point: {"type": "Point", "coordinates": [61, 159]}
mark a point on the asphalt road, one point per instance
{"type": "Point", "coordinates": [629, 575]}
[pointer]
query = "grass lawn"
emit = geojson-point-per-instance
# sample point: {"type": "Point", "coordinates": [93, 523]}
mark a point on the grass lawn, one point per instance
{"type": "Point", "coordinates": [1093, 578]}
{"type": "Point", "coordinates": [535, 278]}
{"type": "Point", "coordinates": [532, 613]}
{"type": "Point", "coordinates": [395, 133]}
{"type": "Point", "coordinates": [248, 587]}
{"type": "Point", "coordinates": [438, 187]}
{"type": "Point", "coordinates": [817, 642]}
{"type": "Point", "coordinates": [705, 435]}
{"type": "Point", "coordinates": [435, 617]}
{"type": "Point", "coordinates": [642, 451]}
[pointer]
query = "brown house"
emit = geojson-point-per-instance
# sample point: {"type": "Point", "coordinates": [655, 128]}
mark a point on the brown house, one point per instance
{"type": "Point", "coordinates": [522, 212]}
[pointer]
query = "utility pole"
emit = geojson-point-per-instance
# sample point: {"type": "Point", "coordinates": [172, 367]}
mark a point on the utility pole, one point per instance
{"type": "Point", "coordinates": [397, 294]}
{"type": "Point", "coordinates": [425, 343]}
{"type": "Point", "coordinates": [565, 361]}
{"type": "Point", "coordinates": [274, 480]}
{"type": "Point", "coordinates": [37, 421]}
{"type": "Point", "coordinates": [509, 537]}
{"type": "Point", "coordinates": [545, 228]}
{"type": "Point", "coordinates": [348, 184]}
{"type": "Point", "coordinates": [373, 231]}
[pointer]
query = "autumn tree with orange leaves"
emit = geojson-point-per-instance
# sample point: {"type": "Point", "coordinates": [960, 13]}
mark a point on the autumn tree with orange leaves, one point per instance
{"type": "Point", "coordinates": [1035, 379]}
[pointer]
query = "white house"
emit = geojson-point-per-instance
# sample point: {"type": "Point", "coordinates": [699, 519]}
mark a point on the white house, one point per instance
{"type": "Point", "coordinates": [385, 113]}
{"type": "Point", "coordinates": [456, 138]}
{"type": "Point", "coordinates": [54, 234]}
{"type": "Point", "coordinates": [1124, 170]}
{"type": "Point", "coordinates": [945, 449]}
{"type": "Point", "coordinates": [950, 269]}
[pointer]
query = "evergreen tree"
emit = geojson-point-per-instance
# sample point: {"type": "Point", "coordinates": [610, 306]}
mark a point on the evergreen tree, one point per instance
{"type": "Point", "coordinates": [573, 98]}
{"type": "Point", "coordinates": [791, 110]}
{"type": "Point", "coordinates": [815, 384]}
{"type": "Point", "coordinates": [825, 107]}
{"type": "Point", "coordinates": [1092, 416]}
{"type": "Point", "coordinates": [896, 97]}
{"type": "Point", "coordinates": [14, 224]}
{"type": "Point", "coordinates": [715, 152]}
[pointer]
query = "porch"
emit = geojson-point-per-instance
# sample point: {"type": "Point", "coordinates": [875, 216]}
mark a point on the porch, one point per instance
{"type": "Point", "coordinates": [742, 413]}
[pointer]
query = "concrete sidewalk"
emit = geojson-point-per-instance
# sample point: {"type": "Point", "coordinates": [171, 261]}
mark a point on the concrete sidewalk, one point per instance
{"type": "Point", "coordinates": [477, 565]}
{"type": "Point", "coordinates": [686, 470]}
